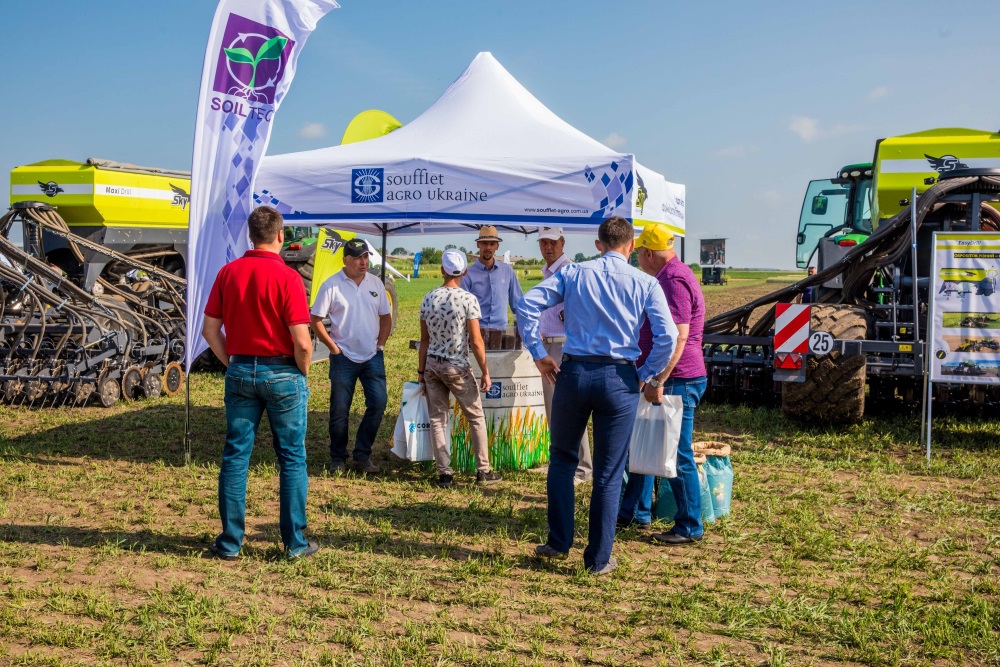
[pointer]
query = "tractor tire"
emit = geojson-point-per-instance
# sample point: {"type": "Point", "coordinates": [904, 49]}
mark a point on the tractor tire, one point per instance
{"type": "Point", "coordinates": [305, 269]}
{"type": "Point", "coordinates": [834, 390]}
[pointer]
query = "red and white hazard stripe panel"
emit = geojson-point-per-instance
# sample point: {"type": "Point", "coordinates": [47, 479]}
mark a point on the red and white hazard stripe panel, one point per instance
{"type": "Point", "coordinates": [791, 328]}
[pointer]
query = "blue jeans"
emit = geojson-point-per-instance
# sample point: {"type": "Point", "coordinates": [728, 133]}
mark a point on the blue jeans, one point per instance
{"type": "Point", "coordinates": [609, 393]}
{"type": "Point", "coordinates": [252, 389]}
{"type": "Point", "coordinates": [638, 498]}
{"type": "Point", "coordinates": [344, 376]}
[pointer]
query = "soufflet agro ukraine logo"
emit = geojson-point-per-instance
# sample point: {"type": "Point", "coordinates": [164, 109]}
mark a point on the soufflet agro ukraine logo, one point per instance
{"type": "Point", "coordinates": [250, 66]}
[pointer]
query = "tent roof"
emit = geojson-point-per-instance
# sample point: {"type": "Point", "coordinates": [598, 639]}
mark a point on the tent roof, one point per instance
{"type": "Point", "coordinates": [487, 134]}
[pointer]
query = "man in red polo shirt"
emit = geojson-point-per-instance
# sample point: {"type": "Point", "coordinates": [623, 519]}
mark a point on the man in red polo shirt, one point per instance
{"type": "Point", "coordinates": [266, 349]}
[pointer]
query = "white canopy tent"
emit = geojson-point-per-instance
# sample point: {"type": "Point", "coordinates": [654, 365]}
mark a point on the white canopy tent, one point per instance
{"type": "Point", "coordinates": [487, 152]}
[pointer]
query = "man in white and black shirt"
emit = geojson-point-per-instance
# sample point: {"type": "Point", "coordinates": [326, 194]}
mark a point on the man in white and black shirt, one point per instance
{"type": "Point", "coordinates": [360, 320]}
{"type": "Point", "coordinates": [449, 326]}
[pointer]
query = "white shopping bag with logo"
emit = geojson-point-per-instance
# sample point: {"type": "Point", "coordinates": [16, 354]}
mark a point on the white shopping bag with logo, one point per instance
{"type": "Point", "coordinates": [655, 436]}
{"type": "Point", "coordinates": [412, 436]}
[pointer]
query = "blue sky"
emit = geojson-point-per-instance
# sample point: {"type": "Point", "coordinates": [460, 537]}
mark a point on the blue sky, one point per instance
{"type": "Point", "coordinates": [742, 102]}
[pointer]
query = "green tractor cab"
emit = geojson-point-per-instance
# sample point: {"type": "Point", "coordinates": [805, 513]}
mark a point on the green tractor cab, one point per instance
{"type": "Point", "coordinates": [836, 213]}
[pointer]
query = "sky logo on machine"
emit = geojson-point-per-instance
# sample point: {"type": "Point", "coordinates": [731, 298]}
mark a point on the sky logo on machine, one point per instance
{"type": "Point", "coordinates": [252, 60]}
{"type": "Point", "coordinates": [51, 189]}
{"type": "Point", "coordinates": [945, 163]}
{"type": "Point", "coordinates": [181, 197]}
{"type": "Point", "coordinates": [367, 185]}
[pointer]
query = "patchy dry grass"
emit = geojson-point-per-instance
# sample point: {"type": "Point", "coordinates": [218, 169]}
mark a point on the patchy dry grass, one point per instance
{"type": "Point", "coordinates": [843, 547]}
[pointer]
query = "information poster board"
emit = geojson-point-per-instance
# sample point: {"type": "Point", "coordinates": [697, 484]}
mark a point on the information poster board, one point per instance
{"type": "Point", "coordinates": [713, 252]}
{"type": "Point", "coordinates": [965, 308]}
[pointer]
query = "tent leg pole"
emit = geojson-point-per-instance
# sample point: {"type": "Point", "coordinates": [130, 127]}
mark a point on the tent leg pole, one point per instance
{"type": "Point", "coordinates": [385, 257]}
{"type": "Point", "coordinates": [187, 420]}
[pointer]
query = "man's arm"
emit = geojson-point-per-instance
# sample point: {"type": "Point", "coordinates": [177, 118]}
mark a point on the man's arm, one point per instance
{"type": "Point", "coordinates": [529, 309]}
{"type": "Point", "coordinates": [303, 346]}
{"type": "Point", "coordinates": [322, 334]}
{"type": "Point", "coordinates": [683, 331]}
{"type": "Point", "coordinates": [425, 341]}
{"type": "Point", "coordinates": [211, 330]}
{"type": "Point", "coordinates": [514, 293]}
{"type": "Point", "coordinates": [664, 334]}
{"type": "Point", "coordinates": [479, 352]}
{"type": "Point", "coordinates": [384, 327]}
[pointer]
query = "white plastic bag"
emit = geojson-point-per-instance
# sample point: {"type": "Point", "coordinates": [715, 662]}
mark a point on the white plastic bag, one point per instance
{"type": "Point", "coordinates": [655, 436]}
{"type": "Point", "coordinates": [410, 390]}
{"type": "Point", "coordinates": [412, 435]}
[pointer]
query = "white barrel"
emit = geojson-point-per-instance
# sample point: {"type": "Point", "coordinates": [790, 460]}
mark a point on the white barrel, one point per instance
{"type": "Point", "coordinates": [514, 408]}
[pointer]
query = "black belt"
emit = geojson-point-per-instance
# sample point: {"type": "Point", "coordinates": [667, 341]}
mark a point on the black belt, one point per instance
{"type": "Point", "coordinates": [597, 360]}
{"type": "Point", "coordinates": [261, 361]}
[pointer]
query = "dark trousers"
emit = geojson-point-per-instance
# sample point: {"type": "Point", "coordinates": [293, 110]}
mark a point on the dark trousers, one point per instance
{"type": "Point", "coordinates": [609, 393]}
{"type": "Point", "coordinates": [344, 376]}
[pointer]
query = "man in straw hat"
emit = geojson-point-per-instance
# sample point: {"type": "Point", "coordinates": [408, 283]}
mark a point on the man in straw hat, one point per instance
{"type": "Point", "coordinates": [493, 283]}
{"type": "Point", "coordinates": [684, 376]}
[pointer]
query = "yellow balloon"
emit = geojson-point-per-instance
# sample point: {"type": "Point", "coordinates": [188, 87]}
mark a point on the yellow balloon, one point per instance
{"type": "Point", "coordinates": [369, 124]}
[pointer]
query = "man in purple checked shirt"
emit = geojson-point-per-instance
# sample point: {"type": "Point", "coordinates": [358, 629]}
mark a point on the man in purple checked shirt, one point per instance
{"type": "Point", "coordinates": [684, 376]}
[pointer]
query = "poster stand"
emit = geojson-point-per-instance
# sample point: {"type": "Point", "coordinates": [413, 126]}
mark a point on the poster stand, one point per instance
{"type": "Point", "coordinates": [962, 317]}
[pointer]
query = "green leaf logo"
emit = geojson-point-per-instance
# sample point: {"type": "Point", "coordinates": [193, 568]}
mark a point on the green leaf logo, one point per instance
{"type": "Point", "coordinates": [269, 50]}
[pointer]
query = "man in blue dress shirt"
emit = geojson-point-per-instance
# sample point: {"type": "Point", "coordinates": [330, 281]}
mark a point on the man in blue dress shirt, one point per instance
{"type": "Point", "coordinates": [493, 283]}
{"type": "Point", "coordinates": [606, 300]}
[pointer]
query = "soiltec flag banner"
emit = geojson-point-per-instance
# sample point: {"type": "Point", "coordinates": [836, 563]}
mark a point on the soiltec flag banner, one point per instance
{"type": "Point", "coordinates": [249, 66]}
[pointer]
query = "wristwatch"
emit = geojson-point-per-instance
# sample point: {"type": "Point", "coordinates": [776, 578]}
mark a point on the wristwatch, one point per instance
{"type": "Point", "coordinates": [654, 383]}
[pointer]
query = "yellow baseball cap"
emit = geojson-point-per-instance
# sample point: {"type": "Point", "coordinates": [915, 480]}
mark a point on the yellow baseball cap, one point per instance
{"type": "Point", "coordinates": [655, 237]}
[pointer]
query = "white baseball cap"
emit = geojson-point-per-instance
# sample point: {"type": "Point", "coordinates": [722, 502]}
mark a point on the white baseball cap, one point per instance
{"type": "Point", "coordinates": [550, 233]}
{"type": "Point", "coordinates": [453, 262]}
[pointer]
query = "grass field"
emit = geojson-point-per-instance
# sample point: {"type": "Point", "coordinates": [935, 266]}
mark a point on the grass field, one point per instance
{"type": "Point", "coordinates": [843, 548]}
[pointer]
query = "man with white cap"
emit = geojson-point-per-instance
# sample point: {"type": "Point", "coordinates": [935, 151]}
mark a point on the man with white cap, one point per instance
{"type": "Point", "coordinates": [552, 328]}
{"type": "Point", "coordinates": [493, 283]}
{"type": "Point", "coordinates": [360, 321]}
{"type": "Point", "coordinates": [449, 326]}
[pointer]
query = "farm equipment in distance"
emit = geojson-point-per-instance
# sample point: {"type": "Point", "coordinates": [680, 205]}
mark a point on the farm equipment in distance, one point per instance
{"type": "Point", "coordinates": [871, 290]}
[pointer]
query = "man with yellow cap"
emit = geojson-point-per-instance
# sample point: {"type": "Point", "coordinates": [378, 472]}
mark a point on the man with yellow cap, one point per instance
{"type": "Point", "coordinates": [493, 283]}
{"type": "Point", "coordinates": [684, 376]}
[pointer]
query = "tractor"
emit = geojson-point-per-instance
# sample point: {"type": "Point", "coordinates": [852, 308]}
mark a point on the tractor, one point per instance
{"type": "Point", "coordinates": [871, 290]}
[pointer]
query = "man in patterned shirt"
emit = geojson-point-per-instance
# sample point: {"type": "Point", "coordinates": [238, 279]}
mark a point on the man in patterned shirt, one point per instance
{"type": "Point", "coordinates": [449, 324]}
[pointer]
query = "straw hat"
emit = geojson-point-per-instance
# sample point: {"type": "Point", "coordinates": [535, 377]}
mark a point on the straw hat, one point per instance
{"type": "Point", "coordinates": [488, 233]}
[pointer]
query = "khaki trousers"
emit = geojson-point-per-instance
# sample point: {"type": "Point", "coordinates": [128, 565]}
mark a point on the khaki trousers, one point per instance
{"type": "Point", "coordinates": [440, 379]}
{"type": "Point", "coordinates": [584, 469]}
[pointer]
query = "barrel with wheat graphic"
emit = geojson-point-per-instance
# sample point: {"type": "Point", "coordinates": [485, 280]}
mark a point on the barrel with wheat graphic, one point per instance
{"type": "Point", "coordinates": [514, 406]}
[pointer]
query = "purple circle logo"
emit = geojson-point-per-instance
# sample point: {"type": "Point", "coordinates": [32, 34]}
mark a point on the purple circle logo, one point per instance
{"type": "Point", "coordinates": [252, 60]}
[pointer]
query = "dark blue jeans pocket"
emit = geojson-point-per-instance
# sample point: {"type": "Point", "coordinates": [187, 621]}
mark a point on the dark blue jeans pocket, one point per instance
{"type": "Point", "coordinates": [237, 390]}
{"type": "Point", "coordinates": [284, 392]}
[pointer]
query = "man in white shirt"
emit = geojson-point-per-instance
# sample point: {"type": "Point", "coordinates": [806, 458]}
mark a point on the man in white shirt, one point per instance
{"type": "Point", "coordinates": [551, 243]}
{"type": "Point", "coordinates": [360, 320]}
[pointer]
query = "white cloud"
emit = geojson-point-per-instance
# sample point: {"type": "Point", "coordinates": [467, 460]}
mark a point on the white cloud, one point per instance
{"type": "Point", "coordinates": [878, 93]}
{"type": "Point", "coordinates": [769, 197]}
{"type": "Point", "coordinates": [614, 140]}
{"type": "Point", "coordinates": [312, 131]}
{"type": "Point", "coordinates": [736, 151]}
{"type": "Point", "coordinates": [805, 127]}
